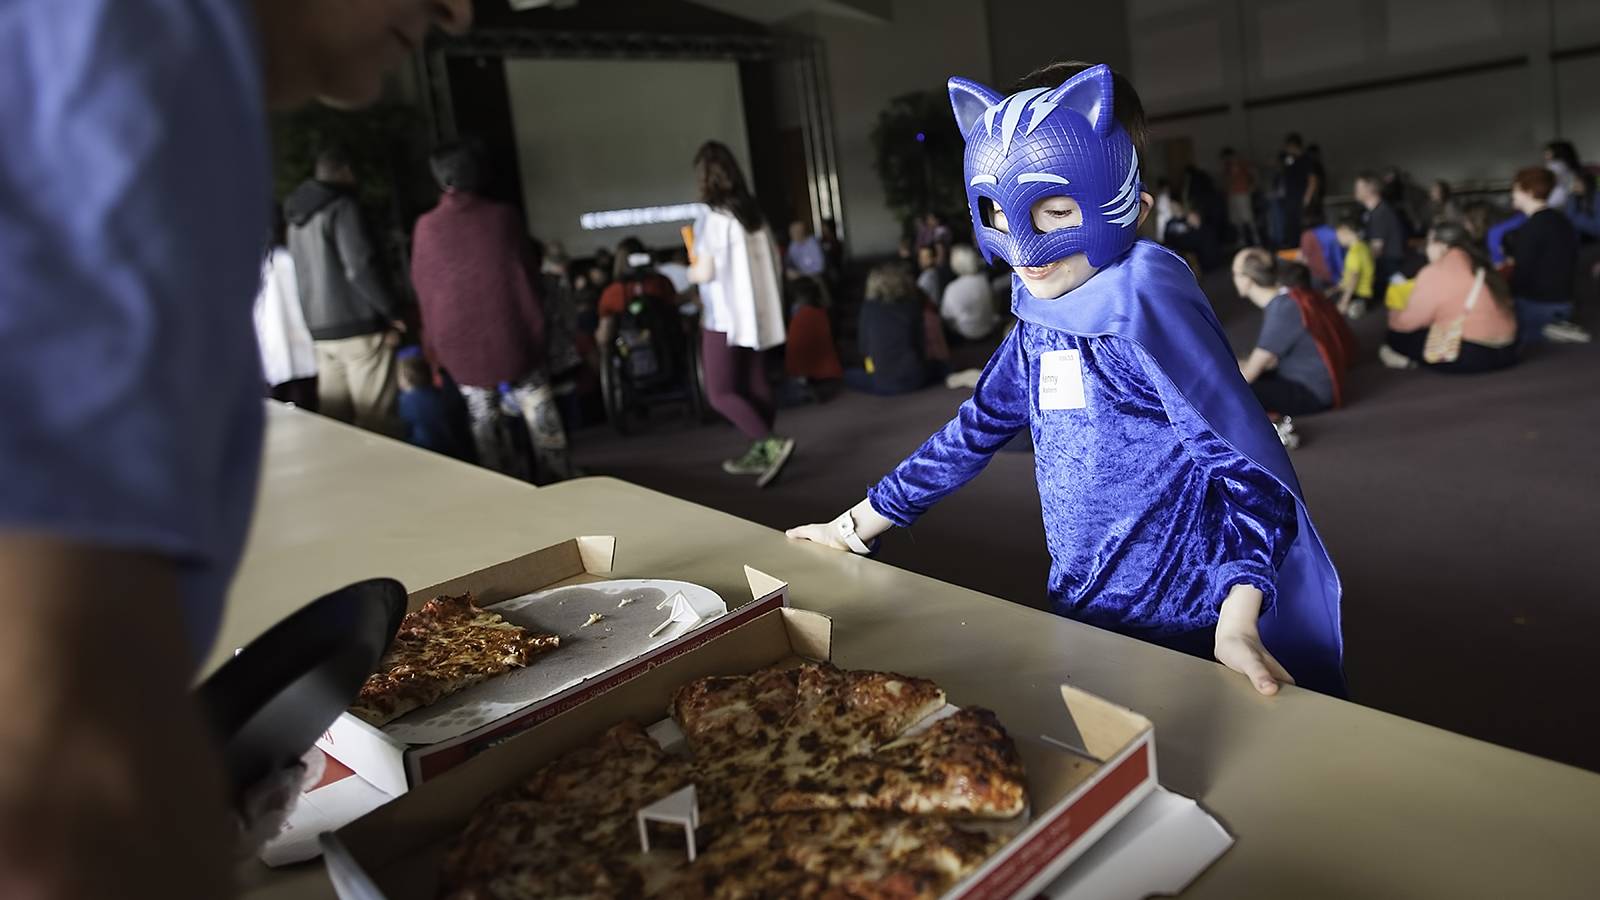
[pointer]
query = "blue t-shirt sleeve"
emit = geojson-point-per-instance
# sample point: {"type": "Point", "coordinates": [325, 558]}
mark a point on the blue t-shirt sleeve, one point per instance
{"type": "Point", "coordinates": [133, 206]}
{"type": "Point", "coordinates": [998, 409]}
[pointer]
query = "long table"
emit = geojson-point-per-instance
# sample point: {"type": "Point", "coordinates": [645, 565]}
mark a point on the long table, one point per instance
{"type": "Point", "coordinates": [1326, 798]}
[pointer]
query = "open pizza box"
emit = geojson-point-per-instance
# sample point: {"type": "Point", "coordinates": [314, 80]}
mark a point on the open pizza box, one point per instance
{"type": "Point", "coordinates": [626, 640]}
{"type": "Point", "coordinates": [1075, 794]}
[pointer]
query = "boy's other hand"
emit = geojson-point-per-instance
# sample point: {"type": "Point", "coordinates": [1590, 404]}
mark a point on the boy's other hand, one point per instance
{"type": "Point", "coordinates": [1245, 654]}
{"type": "Point", "coordinates": [1238, 642]}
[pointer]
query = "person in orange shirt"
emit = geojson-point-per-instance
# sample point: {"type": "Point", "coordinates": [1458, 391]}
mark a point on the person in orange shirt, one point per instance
{"type": "Point", "coordinates": [1445, 288]}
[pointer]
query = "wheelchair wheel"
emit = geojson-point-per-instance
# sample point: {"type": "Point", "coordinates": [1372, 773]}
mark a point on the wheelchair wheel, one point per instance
{"type": "Point", "coordinates": [614, 392]}
{"type": "Point", "coordinates": [694, 381]}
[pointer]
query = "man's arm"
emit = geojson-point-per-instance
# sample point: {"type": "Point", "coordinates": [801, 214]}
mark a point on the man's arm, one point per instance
{"type": "Point", "coordinates": [358, 257]}
{"type": "Point", "coordinates": [1259, 363]}
{"type": "Point", "coordinates": [103, 753]}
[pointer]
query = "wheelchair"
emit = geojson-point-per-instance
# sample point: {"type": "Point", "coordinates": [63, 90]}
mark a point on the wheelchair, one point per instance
{"type": "Point", "coordinates": [652, 359]}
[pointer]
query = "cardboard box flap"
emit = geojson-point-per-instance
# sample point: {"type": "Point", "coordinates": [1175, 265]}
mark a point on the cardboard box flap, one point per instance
{"type": "Point", "coordinates": [598, 552]}
{"type": "Point", "coordinates": [761, 584]}
{"type": "Point", "coordinates": [584, 557]}
{"type": "Point", "coordinates": [1104, 728]}
{"type": "Point", "coordinates": [810, 633]}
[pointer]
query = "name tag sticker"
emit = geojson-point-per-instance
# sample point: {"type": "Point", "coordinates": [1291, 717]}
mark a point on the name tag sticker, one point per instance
{"type": "Point", "coordinates": [1061, 380]}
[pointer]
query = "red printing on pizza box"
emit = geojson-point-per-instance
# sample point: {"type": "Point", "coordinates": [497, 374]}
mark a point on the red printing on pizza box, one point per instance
{"type": "Point", "coordinates": [394, 766]}
{"type": "Point", "coordinates": [1077, 790]}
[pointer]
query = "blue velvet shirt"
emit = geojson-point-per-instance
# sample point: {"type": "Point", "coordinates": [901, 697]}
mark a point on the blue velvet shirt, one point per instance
{"type": "Point", "coordinates": [1149, 517]}
{"type": "Point", "coordinates": [1163, 484]}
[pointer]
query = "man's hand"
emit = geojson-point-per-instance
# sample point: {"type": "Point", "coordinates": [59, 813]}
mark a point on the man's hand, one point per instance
{"type": "Point", "coordinates": [109, 784]}
{"type": "Point", "coordinates": [869, 525]}
{"type": "Point", "coordinates": [1239, 644]}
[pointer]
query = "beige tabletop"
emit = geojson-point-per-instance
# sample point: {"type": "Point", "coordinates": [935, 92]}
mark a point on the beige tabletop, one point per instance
{"type": "Point", "coordinates": [1326, 798]}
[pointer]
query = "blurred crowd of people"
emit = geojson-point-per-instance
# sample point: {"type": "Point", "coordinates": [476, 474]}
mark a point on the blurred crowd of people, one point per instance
{"type": "Point", "coordinates": [511, 341]}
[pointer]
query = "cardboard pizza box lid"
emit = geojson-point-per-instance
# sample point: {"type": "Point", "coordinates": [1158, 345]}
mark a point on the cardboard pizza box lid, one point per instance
{"type": "Point", "coordinates": [394, 766]}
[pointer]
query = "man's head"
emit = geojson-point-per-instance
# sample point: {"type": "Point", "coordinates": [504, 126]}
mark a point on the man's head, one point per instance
{"type": "Point", "coordinates": [927, 257]}
{"type": "Point", "coordinates": [459, 167]}
{"type": "Point", "coordinates": [338, 51]}
{"type": "Point", "coordinates": [1293, 144]}
{"type": "Point", "coordinates": [1053, 172]}
{"type": "Point", "coordinates": [1255, 274]}
{"type": "Point", "coordinates": [333, 166]}
{"type": "Point", "coordinates": [1369, 189]}
{"type": "Point", "coordinates": [1530, 189]}
{"type": "Point", "coordinates": [799, 230]}
{"type": "Point", "coordinates": [1348, 231]}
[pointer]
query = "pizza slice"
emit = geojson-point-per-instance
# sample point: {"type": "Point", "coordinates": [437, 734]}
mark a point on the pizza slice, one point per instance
{"type": "Point", "coordinates": [835, 855]}
{"type": "Point", "coordinates": [445, 646]}
{"type": "Point", "coordinates": [852, 713]}
{"type": "Point", "coordinates": [963, 765]}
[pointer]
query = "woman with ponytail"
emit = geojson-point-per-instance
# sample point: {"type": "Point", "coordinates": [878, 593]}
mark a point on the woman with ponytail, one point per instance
{"type": "Point", "coordinates": [737, 266]}
{"type": "Point", "coordinates": [1460, 317]}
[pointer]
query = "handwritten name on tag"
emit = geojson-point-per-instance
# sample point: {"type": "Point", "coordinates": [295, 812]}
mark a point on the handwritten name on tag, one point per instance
{"type": "Point", "coordinates": [1061, 380]}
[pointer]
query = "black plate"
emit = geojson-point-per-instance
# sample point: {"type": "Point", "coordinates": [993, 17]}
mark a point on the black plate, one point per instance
{"type": "Point", "coordinates": [271, 702]}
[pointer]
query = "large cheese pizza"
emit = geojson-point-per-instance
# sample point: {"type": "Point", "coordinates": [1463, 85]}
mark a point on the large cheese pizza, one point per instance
{"type": "Point", "coordinates": [812, 781]}
{"type": "Point", "coordinates": [445, 646]}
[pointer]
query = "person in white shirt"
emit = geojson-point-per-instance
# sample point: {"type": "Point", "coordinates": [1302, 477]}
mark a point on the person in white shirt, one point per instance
{"type": "Point", "coordinates": [738, 268]}
{"type": "Point", "coordinates": [968, 302]}
{"type": "Point", "coordinates": [288, 358]}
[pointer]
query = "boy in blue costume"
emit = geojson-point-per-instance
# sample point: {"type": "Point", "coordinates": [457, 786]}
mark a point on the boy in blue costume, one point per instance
{"type": "Point", "coordinates": [1171, 511]}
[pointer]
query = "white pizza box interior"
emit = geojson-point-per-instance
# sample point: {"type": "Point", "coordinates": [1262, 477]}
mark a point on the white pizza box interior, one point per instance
{"type": "Point", "coordinates": [1075, 794]}
{"type": "Point", "coordinates": [591, 660]}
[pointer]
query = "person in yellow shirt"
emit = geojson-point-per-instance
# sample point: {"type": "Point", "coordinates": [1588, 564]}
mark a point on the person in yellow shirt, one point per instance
{"type": "Point", "coordinates": [1355, 287]}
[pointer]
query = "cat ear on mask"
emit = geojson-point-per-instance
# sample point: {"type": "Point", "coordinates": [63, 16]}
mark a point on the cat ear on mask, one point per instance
{"type": "Point", "coordinates": [1089, 93]}
{"type": "Point", "coordinates": [970, 100]}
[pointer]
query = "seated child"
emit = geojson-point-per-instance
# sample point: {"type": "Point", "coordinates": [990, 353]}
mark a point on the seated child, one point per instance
{"type": "Point", "coordinates": [1171, 511]}
{"type": "Point", "coordinates": [809, 355]}
{"type": "Point", "coordinates": [435, 417]}
{"type": "Point", "coordinates": [1354, 297]}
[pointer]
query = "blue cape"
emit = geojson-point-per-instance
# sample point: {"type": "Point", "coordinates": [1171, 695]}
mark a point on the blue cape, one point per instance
{"type": "Point", "coordinates": [1149, 297]}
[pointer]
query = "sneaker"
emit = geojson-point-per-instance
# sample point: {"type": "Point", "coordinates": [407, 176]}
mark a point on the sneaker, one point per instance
{"type": "Point", "coordinates": [1567, 333]}
{"type": "Point", "coordinates": [1286, 433]}
{"type": "Point", "coordinates": [753, 462]}
{"type": "Point", "coordinates": [1394, 359]}
{"type": "Point", "coordinates": [776, 452]}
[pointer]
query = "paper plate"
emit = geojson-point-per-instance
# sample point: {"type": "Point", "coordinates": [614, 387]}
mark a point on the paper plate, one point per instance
{"type": "Point", "coordinates": [271, 702]}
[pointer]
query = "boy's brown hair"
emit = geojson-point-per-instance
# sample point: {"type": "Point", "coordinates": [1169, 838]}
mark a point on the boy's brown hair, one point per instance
{"type": "Point", "coordinates": [1536, 182]}
{"type": "Point", "coordinates": [1125, 105]}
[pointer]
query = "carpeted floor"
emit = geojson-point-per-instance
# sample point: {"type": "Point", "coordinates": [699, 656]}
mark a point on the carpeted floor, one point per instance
{"type": "Point", "coordinates": [1461, 513]}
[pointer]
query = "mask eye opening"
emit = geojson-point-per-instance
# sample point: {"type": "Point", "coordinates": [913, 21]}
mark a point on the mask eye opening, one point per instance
{"type": "Point", "coordinates": [987, 209]}
{"type": "Point", "coordinates": [1059, 219]}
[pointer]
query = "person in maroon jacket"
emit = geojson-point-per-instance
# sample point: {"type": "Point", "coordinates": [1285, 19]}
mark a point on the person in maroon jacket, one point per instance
{"type": "Point", "coordinates": [481, 317]}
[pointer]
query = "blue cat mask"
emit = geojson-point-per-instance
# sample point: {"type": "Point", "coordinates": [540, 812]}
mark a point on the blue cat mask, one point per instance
{"type": "Point", "coordinates": [1048, 142]}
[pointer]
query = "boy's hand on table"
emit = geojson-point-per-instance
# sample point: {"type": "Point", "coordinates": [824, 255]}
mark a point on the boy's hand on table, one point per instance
{"type": "Point", "coordinates": [821, 533]}
{"type": "Point", "coordinates": [868, 526]}
{"type": "Point", "coordinates": [1238, 644]}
